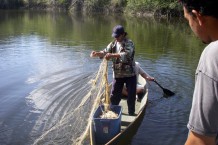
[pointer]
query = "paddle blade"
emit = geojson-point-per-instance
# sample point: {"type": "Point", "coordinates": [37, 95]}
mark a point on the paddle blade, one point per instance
{"type": "Point", "coordinates": [168, 92]}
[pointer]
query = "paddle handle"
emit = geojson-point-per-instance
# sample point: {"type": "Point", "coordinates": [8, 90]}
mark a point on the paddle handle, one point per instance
{"type": "Point", "coordinates": [158, 84]}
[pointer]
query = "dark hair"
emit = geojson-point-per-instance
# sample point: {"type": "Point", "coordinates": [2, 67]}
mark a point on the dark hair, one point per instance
{"type": "Point", "coordinates": [205, 7]}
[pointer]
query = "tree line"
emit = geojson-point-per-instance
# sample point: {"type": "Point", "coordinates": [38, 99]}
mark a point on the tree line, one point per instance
{"type": "Point", "coordinates": [134, 7]}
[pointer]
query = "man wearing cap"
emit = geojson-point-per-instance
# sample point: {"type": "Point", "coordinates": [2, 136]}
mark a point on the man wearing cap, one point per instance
{"type": "Point", "coordinates": [121, 52]}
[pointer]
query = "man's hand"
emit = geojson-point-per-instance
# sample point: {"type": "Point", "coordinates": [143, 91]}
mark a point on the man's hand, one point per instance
{"type": "Point", "coordinates": [108, 56]}
{"type": "Point", "coordinates": [112, 55]}
{"type": "Point", "coordinates": [93, 54]}
{"type": "Point", "coordinates": [150, 78]}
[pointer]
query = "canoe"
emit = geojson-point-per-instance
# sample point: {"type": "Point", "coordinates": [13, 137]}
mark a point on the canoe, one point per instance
{"type": "Point", "coordinates": [129, 124]}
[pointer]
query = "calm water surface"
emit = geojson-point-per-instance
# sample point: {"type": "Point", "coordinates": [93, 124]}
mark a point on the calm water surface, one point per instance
{"type": "Point", "coordinates": [39, 48]}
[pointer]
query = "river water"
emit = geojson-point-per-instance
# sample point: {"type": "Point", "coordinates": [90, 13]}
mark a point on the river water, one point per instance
{"type": "Point", "coordinates": [40, 47]}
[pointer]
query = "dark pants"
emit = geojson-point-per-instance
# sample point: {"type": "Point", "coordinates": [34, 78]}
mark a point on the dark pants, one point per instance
{"type": "Point", "coordinates": [116, 92]}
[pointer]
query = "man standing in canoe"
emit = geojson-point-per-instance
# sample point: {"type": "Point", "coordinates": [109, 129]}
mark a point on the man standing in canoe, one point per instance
{"type": "Point", "coordinates": [121, 52]}
{"type": "Point", "coordinates": [202, 16]}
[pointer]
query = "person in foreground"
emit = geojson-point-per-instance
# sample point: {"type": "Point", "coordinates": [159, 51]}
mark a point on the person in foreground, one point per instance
{"type": "Point", "coordinates": [121, 51]}
{"type": "Point", "coordinates": [202, 16]}
{"type": "Point", "coordinates": [140, 90]}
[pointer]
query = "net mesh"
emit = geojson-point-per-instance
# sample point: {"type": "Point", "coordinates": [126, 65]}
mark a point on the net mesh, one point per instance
{"type": "Point", "coordinates": [73, 126]}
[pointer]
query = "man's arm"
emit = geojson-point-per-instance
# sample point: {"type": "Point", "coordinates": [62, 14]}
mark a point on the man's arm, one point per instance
{"type": "Point", "coordinates": [97, 54]}
{"type": "Point", "coordinates": [112, 55]}
{"type": "Point", "coordinates": [147, 77]}
{"type": "Point", "coordinates": [143, 73]}
{"type": "Point", "coordinates": [196, 139]}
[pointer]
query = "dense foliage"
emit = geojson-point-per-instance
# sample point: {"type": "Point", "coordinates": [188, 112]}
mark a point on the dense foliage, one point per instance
{"type": "Point", "coordinates": [160, 7]}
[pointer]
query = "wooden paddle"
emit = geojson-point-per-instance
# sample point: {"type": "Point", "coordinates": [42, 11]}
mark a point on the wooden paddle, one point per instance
{"type": "Point", "coordinates": [166, 91]}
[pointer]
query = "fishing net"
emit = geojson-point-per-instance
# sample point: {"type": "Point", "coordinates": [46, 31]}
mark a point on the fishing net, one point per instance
{"type": "Point", "coordinates": [72, 126]}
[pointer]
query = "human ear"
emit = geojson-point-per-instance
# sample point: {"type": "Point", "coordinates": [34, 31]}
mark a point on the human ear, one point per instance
{"type": "Point", "coordinates": [198, 16]}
